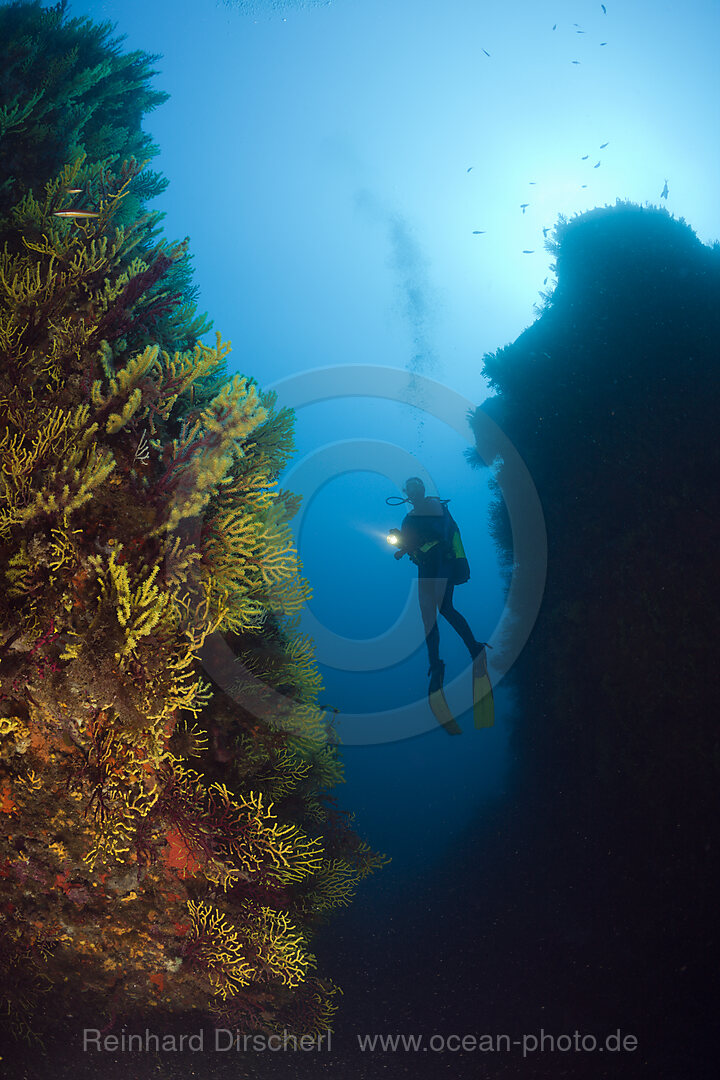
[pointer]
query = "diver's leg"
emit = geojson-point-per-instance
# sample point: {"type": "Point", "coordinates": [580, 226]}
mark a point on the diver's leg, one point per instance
{"type": "Point", "coordinates": [429, 600]}
{"type": "Point", "coordinates": [428, 610]}
{"type": "Point", "coordinates": [458, 622]}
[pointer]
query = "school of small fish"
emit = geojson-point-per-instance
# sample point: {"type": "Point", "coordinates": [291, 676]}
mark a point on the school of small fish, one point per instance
{"type": "Point", "coordinates": [523, 206]}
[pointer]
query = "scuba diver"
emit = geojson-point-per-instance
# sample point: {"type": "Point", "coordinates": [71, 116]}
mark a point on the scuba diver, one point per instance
{"type": "Point", "coordinates": [431, 538]}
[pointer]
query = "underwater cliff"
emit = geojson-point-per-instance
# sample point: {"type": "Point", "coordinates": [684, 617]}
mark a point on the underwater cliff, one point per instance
{"type": "Point", "coordinates": [612, 397]}
{"type": "Point", "coordinates": [172, 843]}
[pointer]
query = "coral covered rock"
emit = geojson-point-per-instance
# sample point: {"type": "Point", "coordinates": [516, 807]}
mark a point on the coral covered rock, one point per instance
{"type": "Point", "coordinates": [171, 844]}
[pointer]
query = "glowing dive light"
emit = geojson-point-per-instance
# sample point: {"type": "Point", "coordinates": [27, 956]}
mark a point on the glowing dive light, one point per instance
{"type": "Point", "coordinates": [393, 536]}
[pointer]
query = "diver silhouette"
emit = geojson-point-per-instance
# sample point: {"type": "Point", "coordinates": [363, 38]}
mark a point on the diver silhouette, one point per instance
{"type": "Point", "coordinates": [430, 537]}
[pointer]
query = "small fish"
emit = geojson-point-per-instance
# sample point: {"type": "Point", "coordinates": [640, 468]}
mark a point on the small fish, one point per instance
{"type": "Point", "coordinates": [73, 190]}
{"type": "Point", "coordinates": [585, 157]}
{"type": "Point", "coordinates": [583, 185]}
{"type": "Point", "coordinates": [530, 251]}
{"type": "Point", "coordinates": [471, 168]}
{"type": "Point", "coordinates": [523, 205]}
{"type": "Point", "coordinates": [544, 281]}
{"type": "Point", "coordinates": [574, 61]}
{"type": "Point", "coordinates": [579, 31]}
{"type": "Point", "coordinates": [486, 52]}
{"type": "Point", "coordinates": [532, 182]}
{"type": "Point", "coordinates": [478, 232]}
{"type": "Point", "coordinates": [545, 232]}
{"type": "Point", "coordinates": [76, 213]}
{"type": "Point", "coordinates": [603, 42]}
{"type": "Point", "coordinates": [664, 193]}
{"type": "Point", "coordinates": [555, 26]}
{"type": "Point", "coordinates": [596, 165]}
{"type": "Point", "coordinates": [604, 9]}
{"type": "Point", "coordinates": [603, 145]}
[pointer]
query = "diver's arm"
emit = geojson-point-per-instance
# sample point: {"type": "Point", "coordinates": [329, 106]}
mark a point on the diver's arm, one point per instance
{"type": "Point", "coordinates": [410, 540]}
{"type": "Point", "coordinates": [405, 543]}
{"type": "Point", "coordinates": [400, 549]}
{"type": "Point", "coordinates": [410, 552]}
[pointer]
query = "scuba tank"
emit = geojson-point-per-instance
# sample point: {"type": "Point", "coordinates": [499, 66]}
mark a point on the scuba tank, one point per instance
{"type": "Point", "coordinates": [460, 568]}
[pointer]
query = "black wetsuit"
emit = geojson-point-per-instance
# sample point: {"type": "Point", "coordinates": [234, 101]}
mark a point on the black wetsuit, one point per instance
{"type": "Point", "coordinates": [425, 527]}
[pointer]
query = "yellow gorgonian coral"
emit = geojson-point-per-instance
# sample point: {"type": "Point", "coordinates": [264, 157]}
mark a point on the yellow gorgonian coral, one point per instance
{"type": "Point", "coordinates": [214, 944]}
{"type": "Point", "coordinates": [140, 517]}
{"type": "Point", "coordinates": [280, 948]}
{"type": "Point", "coordinates": [255, 844]}
{"type": "Point", "coordinates": [14, 736]}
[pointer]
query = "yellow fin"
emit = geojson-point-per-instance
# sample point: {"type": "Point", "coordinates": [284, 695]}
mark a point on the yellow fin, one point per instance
{"type": "Point", "coordinates": [441, 711]}
{"type": "Point", "coordinates": [483, 704]}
